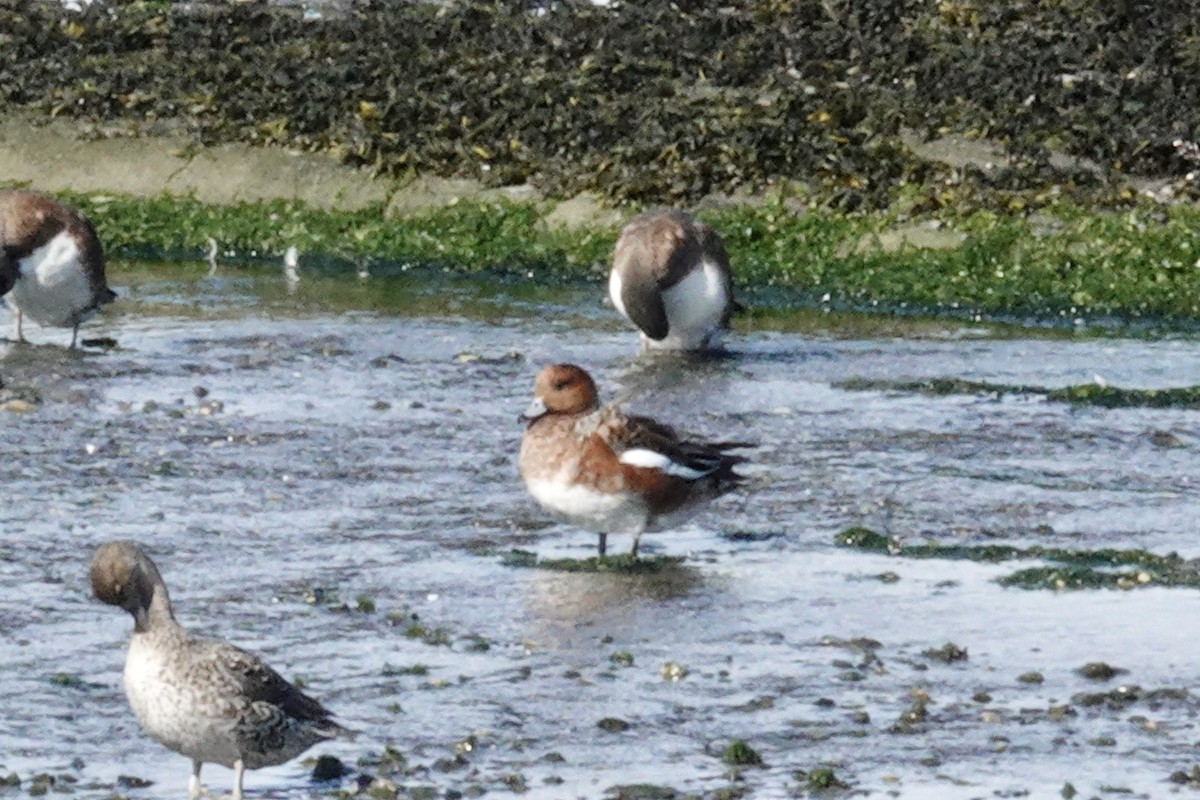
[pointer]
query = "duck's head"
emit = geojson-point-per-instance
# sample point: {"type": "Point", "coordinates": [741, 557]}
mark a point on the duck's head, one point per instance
{"type": "Point", "coordinates": [123, 575]}
{"type": "Point", "coordinates": [562, 389]}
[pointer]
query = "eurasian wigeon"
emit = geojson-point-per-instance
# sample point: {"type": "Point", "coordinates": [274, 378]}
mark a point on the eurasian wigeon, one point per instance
{"type": "Point", "coordinates": [671, 278]}
{"type": "Point", "coordinates": [51, 262]}
{"type": "Point", "coordinates": [202, 698]}
{"type": "Point", "coordinates": [612, 473]}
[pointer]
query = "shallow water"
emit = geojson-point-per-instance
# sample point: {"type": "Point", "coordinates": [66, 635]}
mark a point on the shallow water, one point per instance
{"type": "Point", "coordinates": [284, 454]}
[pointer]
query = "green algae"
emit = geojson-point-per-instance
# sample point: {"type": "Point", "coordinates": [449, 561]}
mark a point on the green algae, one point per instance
{"type": "Point", "coordinates": [740, 754]}
{"type": "Point", "coordinates": [623, 564]}
{"type": "Point", "coordinates": [949, 653]}
{"type": "Point", "coordinates": [1094, 265]}
{"type": "Point", "coordinates": [435, 637]}
{"type": "Point", "coordinates": [467, 237]}
{"type": "Point", "coordinates": [622, 658]}
{"type": "Point", "coordinates": [1088, 394]}
{"type": "Point", "coordinates": [69, 681]}
{"type": "Point", "coordinates": [1104, 568]}
{"type": "Point", "coordinates": [819, 780]}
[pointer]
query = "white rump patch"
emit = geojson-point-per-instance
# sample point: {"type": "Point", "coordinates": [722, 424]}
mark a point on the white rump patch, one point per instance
{"type": "Point", "coordinates": [641, 457]}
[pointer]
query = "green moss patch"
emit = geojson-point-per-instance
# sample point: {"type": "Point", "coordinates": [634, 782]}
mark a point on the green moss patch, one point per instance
{"type": "Point", "coordinates": [624, 564]}
{"type": "Point", "coordinates": [1068, 569]}
{"type": "Point", "coordinates": [1083, 394]}
{"type": "Point", "coordinates": [1106, 267]}
{"type": "Point", "coordinates": [740, 754]}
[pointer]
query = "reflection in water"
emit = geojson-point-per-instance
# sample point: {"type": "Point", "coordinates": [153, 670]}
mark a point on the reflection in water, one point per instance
{"type": "Point", "coordinates": [569, 607]}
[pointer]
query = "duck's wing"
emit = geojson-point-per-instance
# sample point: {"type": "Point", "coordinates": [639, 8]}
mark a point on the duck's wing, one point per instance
{"type": "Point", "coordinates": [8, 269]}
{"type": "Point", "coordinates": [257, 683]}
{"type": "Point", "coordinates": [644, 442]}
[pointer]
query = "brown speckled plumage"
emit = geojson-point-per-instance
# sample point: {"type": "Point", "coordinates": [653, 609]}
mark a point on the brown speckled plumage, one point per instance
{"type": "Point", "coordinates": [203, 698]}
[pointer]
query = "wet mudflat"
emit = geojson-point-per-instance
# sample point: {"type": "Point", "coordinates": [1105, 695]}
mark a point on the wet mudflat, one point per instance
{"type": "Point", "coordinates": [328, 477]}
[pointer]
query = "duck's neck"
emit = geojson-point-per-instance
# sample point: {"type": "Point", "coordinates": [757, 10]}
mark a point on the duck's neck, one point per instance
{"type": "Point", "coordinates": [154, 612]}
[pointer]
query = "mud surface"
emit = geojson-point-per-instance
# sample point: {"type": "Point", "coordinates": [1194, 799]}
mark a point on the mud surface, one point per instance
{"type": "Point", "coordinates": [327, 476]}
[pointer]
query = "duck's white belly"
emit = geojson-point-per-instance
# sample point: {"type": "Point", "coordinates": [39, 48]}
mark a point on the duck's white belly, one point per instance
{"type": "Point", "coordinates": [603, 512]}
{"type": "Point", "coordinates": [52, 287]}
{"type": "Point", "coordinates": [695, 307]}
{"type": "Point", "coordinates": [174, 715]}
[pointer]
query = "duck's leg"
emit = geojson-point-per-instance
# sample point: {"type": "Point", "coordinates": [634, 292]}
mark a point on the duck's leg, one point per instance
{"type": "Point", "coordinates": [239, 771]}
{"type": "Point", "coordinates": [194, 788]}
{"type": "Point", "coordinates": [637, 537]}
{"type": "Point", "coordinates": [603, 544]}
{"type": "Point", "coordinates": [74, 335]}
{"type": "Point", "coordinates": [19, 335]}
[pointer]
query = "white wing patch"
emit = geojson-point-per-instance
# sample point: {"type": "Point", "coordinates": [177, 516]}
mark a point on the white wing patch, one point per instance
{"type": "Point", "coordinates": [641, 457]}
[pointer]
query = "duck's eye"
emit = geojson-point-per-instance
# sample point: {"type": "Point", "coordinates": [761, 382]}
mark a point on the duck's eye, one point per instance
{"type": "Point", "coordinates": [560, 385]}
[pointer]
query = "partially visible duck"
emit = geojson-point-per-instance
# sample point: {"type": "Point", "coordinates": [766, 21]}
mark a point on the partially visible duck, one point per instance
{"type": "Point", "coordinates": [611, 473]}
{"type": "Point", "coordinates": [671, 278]}
{"type": "Point", "coordinates": [291, 268]}
{"type": "Point", "coordinates": [202, 698]}
{"type": "Point", "coordinates": [51, 262]}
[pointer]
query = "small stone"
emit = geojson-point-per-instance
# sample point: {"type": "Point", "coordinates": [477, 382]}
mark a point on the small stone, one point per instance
{"type": "Point", "coordinates": [329, 768]}
{"type": "Point", "coordinates": [17, 406]}
{"type": "Point", "coordinates": [613, 725]}
{"type": "Point", "coordinates": [1032, 677]}
{"type": "Point", "coordinates": [383, 789]}
{"type": "Point", "coordinates": [1165, 439]}
{"type": "Point", "coordinates": [1060, 713]}
{"type": "Point", "coordinates": [1099, 671]}
{"type": "Point", "coordinates": [948, 653]}
{"type": "Point", "coordinates": [673, 671]}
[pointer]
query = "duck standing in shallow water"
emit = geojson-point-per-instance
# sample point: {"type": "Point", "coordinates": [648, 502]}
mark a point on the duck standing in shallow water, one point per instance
{"type": "Point", "coordinates": [671, 278]}
{"type": "Point", "coordinates": [611, 473]}
{"type": "Point", "coordinates": [203, 698]}
{"type": "Point", "coordinates": [51, 262]}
